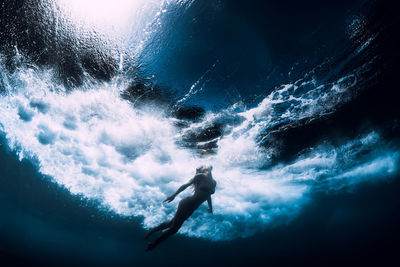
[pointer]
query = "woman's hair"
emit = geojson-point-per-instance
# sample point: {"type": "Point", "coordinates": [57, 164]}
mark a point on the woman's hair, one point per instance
{"type": "Point", "coordinates": [204, 168]}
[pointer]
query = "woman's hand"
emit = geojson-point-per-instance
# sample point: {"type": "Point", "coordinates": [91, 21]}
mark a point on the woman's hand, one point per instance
{"type": "Point", "coordinates": [170, 198]}
{"type": "Point", "coordinates": [183, 187]}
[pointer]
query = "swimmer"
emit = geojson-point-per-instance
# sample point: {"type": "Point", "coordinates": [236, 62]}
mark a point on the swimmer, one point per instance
{"type": "Point", "coordinates": [204, 186]}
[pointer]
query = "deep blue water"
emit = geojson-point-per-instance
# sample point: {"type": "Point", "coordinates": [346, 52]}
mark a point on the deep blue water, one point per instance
{"type": "Point", "coordinates": [294, 103]}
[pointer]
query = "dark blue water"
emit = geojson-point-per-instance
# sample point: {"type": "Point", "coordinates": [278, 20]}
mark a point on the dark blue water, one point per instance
{"type": "Point", "coordinates": [293, 101]}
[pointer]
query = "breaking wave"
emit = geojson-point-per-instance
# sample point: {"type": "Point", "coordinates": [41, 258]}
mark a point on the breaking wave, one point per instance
{"type": "Point", "coordinates": [101, 146]}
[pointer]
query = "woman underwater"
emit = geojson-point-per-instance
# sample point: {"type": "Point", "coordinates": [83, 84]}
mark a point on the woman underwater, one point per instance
{"type": "Point", "coordinates": [204, 186]}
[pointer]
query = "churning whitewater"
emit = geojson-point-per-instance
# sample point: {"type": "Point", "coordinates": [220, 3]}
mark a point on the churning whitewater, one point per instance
{"type": "Point", "coordinates": [100, 146]}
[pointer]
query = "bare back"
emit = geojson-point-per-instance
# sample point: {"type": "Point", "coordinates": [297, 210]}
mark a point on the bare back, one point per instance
{"type": "Point", "coordinates": [203, 182]}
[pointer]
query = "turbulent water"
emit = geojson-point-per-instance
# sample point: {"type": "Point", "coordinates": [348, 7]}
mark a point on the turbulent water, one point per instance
{"type": "Point", "coordinates": [128, 141]}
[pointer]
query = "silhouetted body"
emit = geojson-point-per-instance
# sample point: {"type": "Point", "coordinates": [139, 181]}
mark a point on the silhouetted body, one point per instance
{"type": "Point", "coordinates": [204, 186]}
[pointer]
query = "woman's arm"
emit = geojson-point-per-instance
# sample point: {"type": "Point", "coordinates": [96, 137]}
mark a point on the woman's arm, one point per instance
{"type": "Point", "coordinates": [209, 202]}
{"type": "Point", "coordinates": [180, 189]}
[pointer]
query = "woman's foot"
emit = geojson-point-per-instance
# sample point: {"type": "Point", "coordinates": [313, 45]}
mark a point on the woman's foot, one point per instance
{"type": "Point", "coordinates": [150, 246]}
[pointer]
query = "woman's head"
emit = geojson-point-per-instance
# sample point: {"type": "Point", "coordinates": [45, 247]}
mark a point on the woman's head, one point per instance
{"type": "Point", "coordinates": [204, 169]}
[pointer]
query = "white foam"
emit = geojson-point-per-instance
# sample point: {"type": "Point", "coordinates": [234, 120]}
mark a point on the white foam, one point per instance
{"type": "Point", "coordinates": [98, 146]}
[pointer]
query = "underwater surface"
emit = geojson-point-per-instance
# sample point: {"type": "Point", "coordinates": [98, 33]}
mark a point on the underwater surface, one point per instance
{"type": "Point", "coordinates": [107, 107]}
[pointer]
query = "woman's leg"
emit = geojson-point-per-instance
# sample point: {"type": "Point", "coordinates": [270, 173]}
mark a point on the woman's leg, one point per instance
{"type": "Point", "coordinates": [161, 227]}
{"type": "Point", "coordinates": [185, 208]}
{"type": "Point", "coordinates": [176, 224]}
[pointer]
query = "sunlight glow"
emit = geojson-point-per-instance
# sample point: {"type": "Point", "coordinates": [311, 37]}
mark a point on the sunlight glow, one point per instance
{"type": "Point", "coordinates": [103, 14]}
